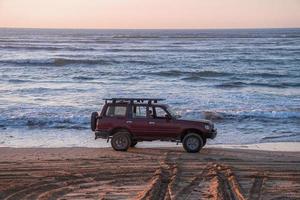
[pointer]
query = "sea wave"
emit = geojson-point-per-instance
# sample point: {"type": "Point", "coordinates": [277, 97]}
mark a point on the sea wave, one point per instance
{"type": "Point", "coordinates": [59, 62]}
{"type": "Point", "coordinates": [269, 75]}
{"type": "Point", "coordinates": [73, 61]}
{"type": "Point", "coordinates": [45, 47]}
{"type": "Point", "coordinates": [18, 81]}
{"type": "Point", "coordinates": [48, 90]}
{"type": "Point", "coordinates": [241, 115]}
{"type": "Point", "coordinates": [83, 78]}
{"type": "Point", "coordinates": [142, 62]}
{"type": "Point", "coordinates": [81, 121]}
{"type": "Point", "coordinates": [197, 75]}
{"type": "Point", "coordinates": [177, 73]}
{"type": "Point", "coordinates": [46, 121]}
{"type": "Point", "coordinates": [65, 61]}
{"type": "Point", "coordinates": [262, 115]}
{"type": "Point", "coordinates": [265, 114]}
{"type": "Point", "coordinates": [235, 84]}
{"type": "Point", "coordinates": [286, 135]}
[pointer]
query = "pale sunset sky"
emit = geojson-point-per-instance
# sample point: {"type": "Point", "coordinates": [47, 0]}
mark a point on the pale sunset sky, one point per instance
{"type": "Point", "coordinates": [144, 14]}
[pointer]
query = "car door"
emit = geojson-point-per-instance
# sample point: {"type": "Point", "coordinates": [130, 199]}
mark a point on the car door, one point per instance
{"type": "Point", "coordinates": [139, 122]}
{"type": "Point", "coordinates": [162, 124]}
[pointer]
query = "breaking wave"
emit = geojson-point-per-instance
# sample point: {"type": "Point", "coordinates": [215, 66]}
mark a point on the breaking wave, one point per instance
{"type": "Point", "coordinates": [38, 119]}
{"type": "Point", "coordinates": [240, 115]}
{"type": "Point", "coordinates": [263, 115]}
{"type": "Point", "coordinates": [46, 121]}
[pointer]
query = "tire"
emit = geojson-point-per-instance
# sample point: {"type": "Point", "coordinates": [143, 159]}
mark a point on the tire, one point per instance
{"type": "Point", "coordinates": [121, 141]}
{"type": "Point", "coordinates": [192, 143]}
{"type": "Point", "coordinates": [94, 117]}
{"type": "Point", "coordinates": [133, 143]}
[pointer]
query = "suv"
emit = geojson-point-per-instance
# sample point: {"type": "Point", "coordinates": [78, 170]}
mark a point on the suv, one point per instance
{"type": "Point", "coordinates": [127, 121]}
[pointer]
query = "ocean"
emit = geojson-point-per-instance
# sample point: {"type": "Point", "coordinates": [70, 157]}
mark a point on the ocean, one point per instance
{"type": "Point", "coordinates": [246, 81]}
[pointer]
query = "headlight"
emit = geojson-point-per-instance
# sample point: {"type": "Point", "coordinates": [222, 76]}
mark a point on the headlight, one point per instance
{"type": "Point", "coordinates": [207, 127]}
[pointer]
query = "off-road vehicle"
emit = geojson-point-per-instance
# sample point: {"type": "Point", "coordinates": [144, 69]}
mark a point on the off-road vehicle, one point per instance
{"type": "Point", "coordinates": [127, 121]}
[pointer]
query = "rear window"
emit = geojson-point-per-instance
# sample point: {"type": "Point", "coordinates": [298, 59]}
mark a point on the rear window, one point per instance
{"type": "Point", "coordinates": [116, 111]}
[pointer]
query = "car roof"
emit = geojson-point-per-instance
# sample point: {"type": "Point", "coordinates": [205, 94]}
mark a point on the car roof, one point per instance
{"type": "Point", "coordinates": [139, 104]}
{"type": "Point", "coordinates": [140, 101]}
{"type": "Point", "coordinates": [134, 99]}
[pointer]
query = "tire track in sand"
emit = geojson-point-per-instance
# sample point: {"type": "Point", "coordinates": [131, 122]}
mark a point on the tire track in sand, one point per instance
{"type": "Point", "coordinates": [164, 174]}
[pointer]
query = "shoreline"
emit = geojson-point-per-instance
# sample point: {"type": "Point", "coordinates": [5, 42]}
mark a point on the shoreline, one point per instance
{"type": "Point", "coordinates": [270, 146]}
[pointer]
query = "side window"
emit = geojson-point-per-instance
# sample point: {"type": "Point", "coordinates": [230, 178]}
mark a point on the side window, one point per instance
{"type": "Point", "coordinates": [160, 113]}
{"type": "Point", "coordinates": [139, 111]}
{"type": "Point", "coordinates": [116, 111]}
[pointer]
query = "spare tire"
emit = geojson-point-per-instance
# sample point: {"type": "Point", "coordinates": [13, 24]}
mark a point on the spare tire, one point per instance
{"type": "Point", "coordinates": [94, 117]}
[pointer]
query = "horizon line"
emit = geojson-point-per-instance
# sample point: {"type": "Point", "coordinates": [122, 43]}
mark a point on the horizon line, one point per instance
{"type": "Point", "coordinates": [241, 28]}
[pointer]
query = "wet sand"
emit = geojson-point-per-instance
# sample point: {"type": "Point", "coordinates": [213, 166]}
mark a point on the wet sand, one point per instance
{"type": "Point", "coordinates": [145, 173]}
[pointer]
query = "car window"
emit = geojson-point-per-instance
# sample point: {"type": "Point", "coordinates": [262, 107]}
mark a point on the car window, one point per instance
{"type": "Point", "coordinates": [160, 113]}
{"type": "Point", "coordinates": [139, 111]}
{"type": "Point", "coordinates": [116, 111]}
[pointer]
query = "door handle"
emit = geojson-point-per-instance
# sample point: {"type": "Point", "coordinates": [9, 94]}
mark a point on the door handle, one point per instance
{"type": "Point", "coordinates": [128, 122]}
{"type": "Point", "coordinates": [151, 123]}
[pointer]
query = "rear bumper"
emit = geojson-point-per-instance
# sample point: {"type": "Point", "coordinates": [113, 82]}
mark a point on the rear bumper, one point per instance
{"type": "Point", "coordinates": [101, 134]}
{"type": "Point", "coordinates": [213, 134]}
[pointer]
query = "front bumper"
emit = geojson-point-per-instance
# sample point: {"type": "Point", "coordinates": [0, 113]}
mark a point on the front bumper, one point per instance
{"type": "Point", "coordinates": [213, 133]}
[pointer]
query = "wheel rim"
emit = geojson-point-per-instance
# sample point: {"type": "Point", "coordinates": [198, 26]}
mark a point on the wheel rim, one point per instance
{"type": "Point", "coordinates": [192, 143]}
{"type": "Point", "coordinates": [121, 142]}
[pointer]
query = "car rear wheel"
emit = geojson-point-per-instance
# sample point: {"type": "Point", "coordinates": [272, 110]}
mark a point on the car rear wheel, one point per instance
{"type": "Point", "coordinates": [94, 120]}
{"type": "Point", "coordinates": [192, 143]}
{"type": "Point", "coordinates": [121, 141]}
{"type": "Point", "coordinates": [133, 143]}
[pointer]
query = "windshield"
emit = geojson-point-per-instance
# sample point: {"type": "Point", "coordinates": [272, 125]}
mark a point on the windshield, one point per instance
{"type": "Point", "coordinates": [172, 112]}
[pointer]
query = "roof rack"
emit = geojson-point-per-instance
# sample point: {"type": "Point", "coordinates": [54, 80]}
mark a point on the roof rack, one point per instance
{"type": "Point", "coordinates": [132, 100]}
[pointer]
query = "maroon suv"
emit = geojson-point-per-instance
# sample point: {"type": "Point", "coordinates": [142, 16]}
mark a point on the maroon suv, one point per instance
{"type": "Point", "coordinates": [127, 121]}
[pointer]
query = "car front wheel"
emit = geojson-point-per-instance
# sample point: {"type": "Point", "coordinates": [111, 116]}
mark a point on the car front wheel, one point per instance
{"type": "Point", "coordinates": [192, 143]}
{"type": "Point", "coordinates": [121, 141]}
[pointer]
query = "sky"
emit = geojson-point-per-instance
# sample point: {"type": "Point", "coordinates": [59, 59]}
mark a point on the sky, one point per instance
{"type": "Point", "coordinates": [150, 14]}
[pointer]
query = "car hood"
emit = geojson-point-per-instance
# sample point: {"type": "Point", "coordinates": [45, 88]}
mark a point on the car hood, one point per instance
{"type": "Point", "coordinates": [204, 121]}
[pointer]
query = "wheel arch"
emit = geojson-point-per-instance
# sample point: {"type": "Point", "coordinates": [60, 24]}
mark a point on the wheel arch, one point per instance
{"type": "Point", "coordinates": [117, 129]}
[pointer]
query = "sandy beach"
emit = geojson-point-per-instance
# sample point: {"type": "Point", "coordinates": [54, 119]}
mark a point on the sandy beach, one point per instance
{"type": "Point", "coordinates": [148, 173]}
{"type": "Point", "coordinates": [81, 79]}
